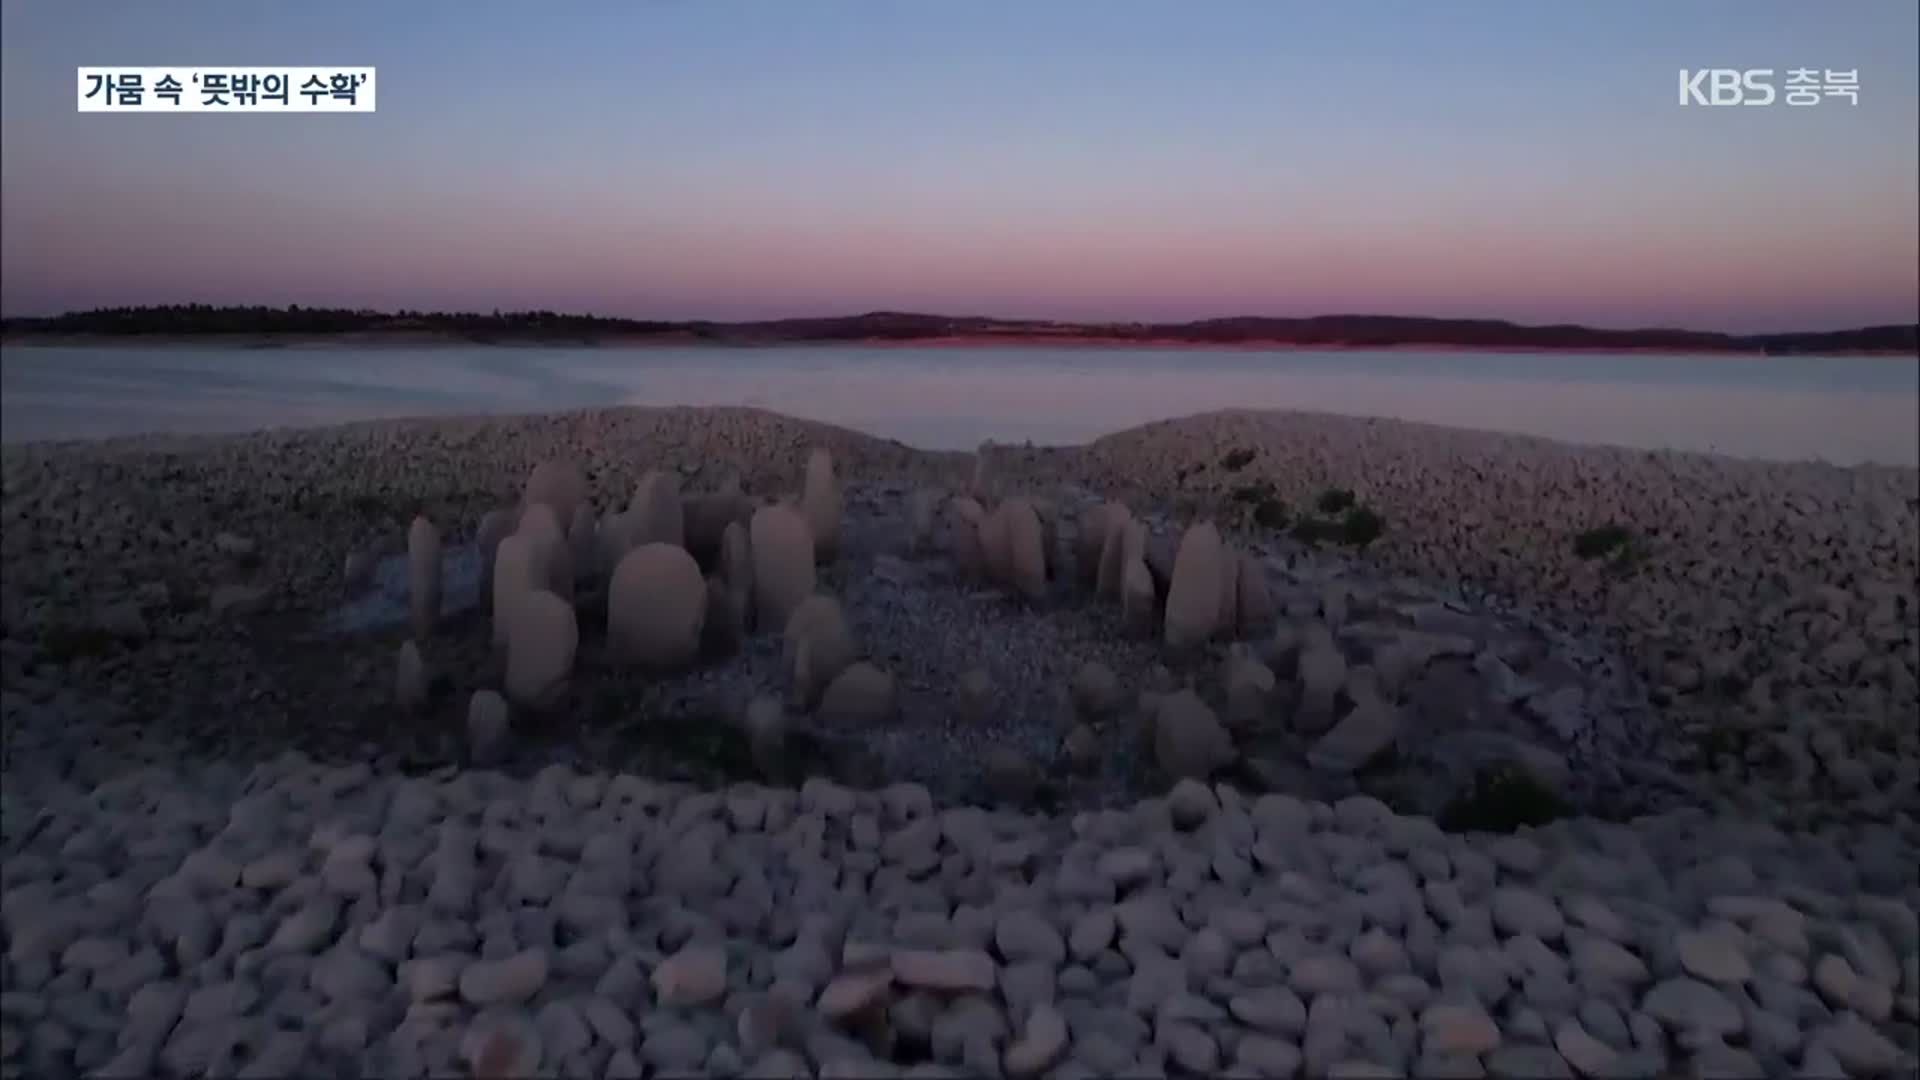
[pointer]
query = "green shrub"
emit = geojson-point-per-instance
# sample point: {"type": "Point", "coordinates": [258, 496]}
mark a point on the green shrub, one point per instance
{"type": "Point", "coordinates": [1315, 530]}
{"type": "Point", "coordinates": [1502, 798]}
{"type": "Point", "coordinates": [1361, 527]}
{"type": "Point", "coordinates": [1270, 513]}
{"type": "Point", "coordinates": [1334, 500]}
{"type": "Point", "coordinates": [1605, 540]}
{"type": "Point", "coordinates": [1237, 460]}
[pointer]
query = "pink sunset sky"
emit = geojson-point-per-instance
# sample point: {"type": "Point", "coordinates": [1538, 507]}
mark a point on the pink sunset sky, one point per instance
{"type": "Point", "coordinates": [1095, 161]}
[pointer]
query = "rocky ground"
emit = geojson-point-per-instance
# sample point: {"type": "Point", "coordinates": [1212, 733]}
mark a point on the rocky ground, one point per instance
{"type": "Point", "coordinates": [1724, 711]}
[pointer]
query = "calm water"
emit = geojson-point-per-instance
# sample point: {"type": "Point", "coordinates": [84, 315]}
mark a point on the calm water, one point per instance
{"type": "Point", "coordinates": [1840, 409]}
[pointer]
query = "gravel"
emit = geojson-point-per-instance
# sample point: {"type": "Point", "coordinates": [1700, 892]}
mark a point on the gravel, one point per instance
{"type": "Point", "coordinates": [228, 850]}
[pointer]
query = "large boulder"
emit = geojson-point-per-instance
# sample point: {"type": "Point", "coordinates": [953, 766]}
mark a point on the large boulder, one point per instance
{"type": "Point", "coordinates": [816, 647]}
{"type": "Point", "coordinates": [656, 608]}
{"type": "Point", "coordinates": [863, 695]}
{"type": "Point", "coordinates": [782, 550]}
{"type": "Point", "coordinates": [820, 502]}
{"type": "Point", "coordinates": [557, 483]}
{"type": "Point", "coordinates": [1193, 598]}
{"type": "Point", "coordinates": [658, 517]}
{"type": "Point", "coordinates": [495, 525]}
{"type": "Point", "coordinates": [964, 520]}
{"type": "Point", "coordinates": [542, 636]}
{"type": "Point", "coordinates": [1188, 741]}
{"type": "Point", "coordinates": [423, 576]}
{"type": "Point", "coordinates": [1026, 549]}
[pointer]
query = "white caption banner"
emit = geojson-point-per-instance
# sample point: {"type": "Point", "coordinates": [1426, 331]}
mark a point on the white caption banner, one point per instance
{"type": "Point", "coordinates": [226, 89]}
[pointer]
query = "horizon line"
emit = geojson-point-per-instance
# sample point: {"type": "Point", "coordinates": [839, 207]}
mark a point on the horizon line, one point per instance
{"type": "Point", "coordinates": [500, 312]}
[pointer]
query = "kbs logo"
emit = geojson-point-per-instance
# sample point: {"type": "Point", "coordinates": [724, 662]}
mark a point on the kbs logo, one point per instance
{"type": "Point", "coordinates": [1754, 86]}
{"type": "Point", "coordinates": [1725, 86]}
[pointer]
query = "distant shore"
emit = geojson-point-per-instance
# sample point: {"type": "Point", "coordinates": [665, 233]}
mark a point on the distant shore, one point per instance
{"type": "Point", "coordinates": [404, 339]}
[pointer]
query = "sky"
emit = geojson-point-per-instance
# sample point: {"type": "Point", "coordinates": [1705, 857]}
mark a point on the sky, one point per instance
{"type": "Point", "coordinates": [1076, 159]}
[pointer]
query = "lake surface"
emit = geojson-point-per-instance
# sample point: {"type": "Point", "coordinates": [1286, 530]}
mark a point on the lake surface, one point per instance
{"type": "Point", "coordinates": [1839, 409]}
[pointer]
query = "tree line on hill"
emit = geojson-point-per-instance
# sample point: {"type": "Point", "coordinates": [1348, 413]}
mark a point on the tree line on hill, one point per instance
{"type": "Point", "coordinates": [1327, 330]}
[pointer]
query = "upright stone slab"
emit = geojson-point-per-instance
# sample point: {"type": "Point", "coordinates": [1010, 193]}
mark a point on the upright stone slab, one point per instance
{"type": "Point", "coordinates": [557, 483]}
{"type": "Point", "coordinates": [495, 525]}
{"type": "Point", "coordinates": [542, 636]}
{"type": "Point", "coordinates": [553, 559]}
{"type": "Point", "coordinates": [816, 647]}
{"type": "Point", "coordinates": [656, 608]}
{"type": "Point", "coordinates": [423, 576]}
{"type": "Point", "coordinates": [1113, 554]}
{"type": "Point", "coordinates": [516, 572]}
{"type": "Point", "coordinates": [1193, 598]}
{"type": "Point", "coordinates": [820, 502]}
{"type": "Point", "coordinates": [659, 517]}
{"type": "Point", "coordinates": [1026, 550]}
{"type": "Point", "coordinates": [996, 546]}
{"type": "Point", "coordinates": [782, 549]}
{"type": "Point", "coordinates": [964, 520]}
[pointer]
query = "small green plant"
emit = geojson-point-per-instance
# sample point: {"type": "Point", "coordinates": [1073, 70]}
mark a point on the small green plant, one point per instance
{"type": "Point", "coordinates": [1603, 541]}
{"type": "Point", "coordinates": [1334, 500]}
{"type": "Point", "coordinates": [1361, 527]}
{"type": "Point", "coordinates": [1270, 514]}
{"type": "Point", "coordinates": [1502, 798]}
{"type": "Point", "coordinates": [1237, 460]}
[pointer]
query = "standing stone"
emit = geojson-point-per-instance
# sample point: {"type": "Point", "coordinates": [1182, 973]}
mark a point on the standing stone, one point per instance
{"type": "Point", "coordinates": [552, 558]}
{"type": "Point", "coordinates": [557, 483]}
{"type": "Point", "coordinates": [582, 533]}
{"type": "Point", "coordinates": [658, 517]}
{"type": "Point", "coordinates": [736, 569]}
{"type": "Point", "coordinates": [488, 722]}
{"type": "Point", "coordinates": [495, 525]}
{"type": "Point", "coordinates": [816, 647]}
{"type": "Point", "coordinates": [782, 549]}
{"type": "Point", "coordinates": [1188, 741]}
{"type": "Point", "coordinates": [515, 573]}
{"type": "Point", "coordinates": [656, 607]}
{"type": "Point", "coordinates": [821, 504]}
{"type": "Point", "coordinates": [1256, 597]}
{"type": "Point", "coordinates": [410, 678]}
{"type": "Point", "coordinates": [862, 695]}
{"type": "Point", "coordinates": [964, 518]}
{"type": "Point", "coordinates": [1096, 522]}
{"type": "Point", "coordinates": [706, 517]}
{"type": "Point", "coordinates": [1110, 578]}
{"type": "Point", "coordinates": [1193, 600]}
{"type": "Point", "coordinates": [922, 506]}
{"type": "Point", "coordinates": [423, 576]}
{"type": "Point", "coordinates": [982, 485]}
{"type": "Point", "coordinates": [1026, 550]}
{"type": "Point", "coordinates": [541, 638]}
{"type": "Point", "coordinates": [1227, 620]}
{"type": "Point", "coordinates": [996, 545]}
{"type": "Point", "coordinates": [1137, 598]}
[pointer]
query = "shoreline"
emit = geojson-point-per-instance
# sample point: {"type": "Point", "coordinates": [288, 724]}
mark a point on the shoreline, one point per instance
{"type": "Point", "coordinates": [407, 340]}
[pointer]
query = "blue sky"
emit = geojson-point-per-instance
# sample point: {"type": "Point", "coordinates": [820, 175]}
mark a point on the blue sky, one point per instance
{"type": "Point", "coordinates": [1078, 160]}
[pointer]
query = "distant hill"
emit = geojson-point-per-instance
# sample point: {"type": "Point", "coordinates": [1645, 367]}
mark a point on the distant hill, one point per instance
{"type": "Point", "coordinates": [268, 324]}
